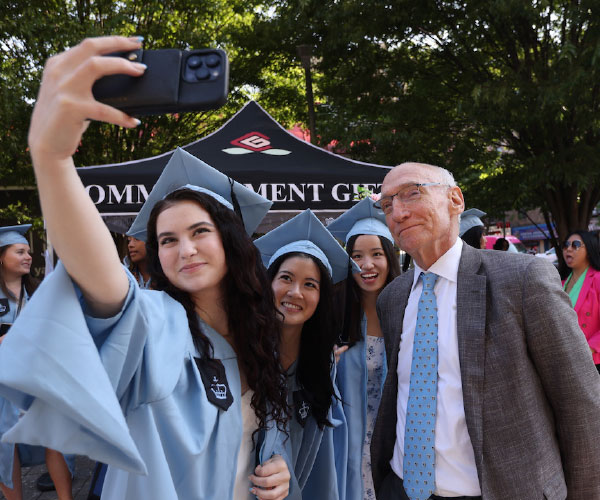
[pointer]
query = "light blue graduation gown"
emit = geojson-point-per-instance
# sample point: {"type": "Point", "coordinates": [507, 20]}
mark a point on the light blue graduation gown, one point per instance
{"type": "Point", "coordinates": [9, 415]}
{"type": "Point", "coordinates": [125, 391]}
{"type": "Point", "coordinates": [352, 383]}
{"type": "Point", "coordinates": [318, 467]}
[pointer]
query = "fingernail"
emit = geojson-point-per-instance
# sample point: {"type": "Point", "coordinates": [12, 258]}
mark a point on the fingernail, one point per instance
{"type": "Point", "coordinates": [137, 122]}
{"type": "Point", "coordinates": [141, 66]}
{"type": "Point", "coordinates": [140, 38]}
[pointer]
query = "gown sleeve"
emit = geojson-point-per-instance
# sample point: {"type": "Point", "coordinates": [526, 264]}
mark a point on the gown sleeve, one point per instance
{"type": "Point", "coordinates": [76, 377]}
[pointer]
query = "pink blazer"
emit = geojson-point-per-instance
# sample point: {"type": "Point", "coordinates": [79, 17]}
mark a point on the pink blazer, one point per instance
{"type": "Point", "coordinates": [588, 310]}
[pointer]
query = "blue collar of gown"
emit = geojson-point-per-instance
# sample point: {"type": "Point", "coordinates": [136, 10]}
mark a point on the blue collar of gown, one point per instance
{"type": "Point", "coordinates": [222, 348]}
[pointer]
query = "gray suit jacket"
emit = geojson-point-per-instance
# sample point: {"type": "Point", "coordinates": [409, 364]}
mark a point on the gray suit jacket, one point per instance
{"type": "Point", "coordinates": [530, 389]}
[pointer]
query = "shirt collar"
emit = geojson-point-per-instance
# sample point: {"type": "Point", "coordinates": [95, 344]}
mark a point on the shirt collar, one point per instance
{"type": "Point", "coordinates": [446, 266]}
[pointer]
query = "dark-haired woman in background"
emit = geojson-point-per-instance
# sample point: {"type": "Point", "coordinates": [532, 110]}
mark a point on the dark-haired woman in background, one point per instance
{"type": "Point", "coordinates": [581, 252]}
{"type": "Point", "coordinates": [171, 386]}
{"type": "Point", "coordinates": [137, 261]}
{"type": "Point", "coordinates": [472, 230]}
{"type": "Point", "coordinates": [362, 368]}
{"type": "Point", "coordinates": [304, 261]}
{"type": "Point", "coordinates": [16, 288]}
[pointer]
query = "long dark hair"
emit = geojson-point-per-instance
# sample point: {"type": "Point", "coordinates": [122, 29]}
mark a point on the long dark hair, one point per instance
{"type": "Point", "coordinates": [353, 310]}
{"type": "Point", "coordinates": [315, 362]}
{"type": "Point", "coordinates": [592, 246]}
{"type": "Point", "coordinates": [27, 281]}
{"type": "Point", "coordinates": [473, 236]}
{"type": "Point", "coordinates": [248, 304]}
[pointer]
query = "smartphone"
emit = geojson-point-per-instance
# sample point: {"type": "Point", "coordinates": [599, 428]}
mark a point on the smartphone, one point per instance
{"type": "Point", "coordinates": [175, 81]}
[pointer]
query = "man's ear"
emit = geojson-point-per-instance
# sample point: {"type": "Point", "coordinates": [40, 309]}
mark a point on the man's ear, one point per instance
{"type": "Point", "coordinates": [457, 201]}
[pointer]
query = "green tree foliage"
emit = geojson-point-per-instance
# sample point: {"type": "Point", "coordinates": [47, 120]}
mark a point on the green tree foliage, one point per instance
{"type": "Point", "coordinates": [30, 32]}
{"type": "Point", "coordinates": [504, 93]}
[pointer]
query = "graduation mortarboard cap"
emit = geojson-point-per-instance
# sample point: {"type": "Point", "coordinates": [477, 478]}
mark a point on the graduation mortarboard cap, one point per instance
{"type": "Point", "coordinates": [305, 233]}
{"type": "Point", "coordinates": [362, 218]}
{"type": "Point", "coordinates": [470, 218]}
{"type": "Point", "coordinates": [185, 170]}
{"type": "Point", "coordinates": [11, 235]}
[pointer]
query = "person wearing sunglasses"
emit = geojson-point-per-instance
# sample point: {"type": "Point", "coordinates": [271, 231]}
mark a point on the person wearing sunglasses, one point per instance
{"type": "Point", "coordinates": [581, 252]}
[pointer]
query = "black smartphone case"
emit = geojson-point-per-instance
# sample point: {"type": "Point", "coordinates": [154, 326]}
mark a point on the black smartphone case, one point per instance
{"type": "Point", "coordinates": [174, 81]}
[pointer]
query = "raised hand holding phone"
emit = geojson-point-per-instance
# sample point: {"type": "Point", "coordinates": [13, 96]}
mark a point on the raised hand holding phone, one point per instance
{"type": "Point", "coordinates": [65, 103]}
{"type": "Point", "coordinates": [61, 115]}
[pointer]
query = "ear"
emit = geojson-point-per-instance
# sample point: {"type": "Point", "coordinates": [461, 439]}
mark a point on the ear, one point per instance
{"type": "Point", "coordinates": [456, 200]}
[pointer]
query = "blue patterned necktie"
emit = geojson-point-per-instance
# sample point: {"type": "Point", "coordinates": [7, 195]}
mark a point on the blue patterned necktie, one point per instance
{"type": "Point", "coordinates": [419, 432]}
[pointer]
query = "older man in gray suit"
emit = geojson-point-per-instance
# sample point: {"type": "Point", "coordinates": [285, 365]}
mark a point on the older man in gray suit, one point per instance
{"type": "Point", "coordinates": [512, 410]}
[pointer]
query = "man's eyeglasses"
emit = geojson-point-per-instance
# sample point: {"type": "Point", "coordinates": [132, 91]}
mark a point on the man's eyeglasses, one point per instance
{"type": "Point", "coordinates": [406, 195]}
{"type": "Point", "coordinates": [575, 244]}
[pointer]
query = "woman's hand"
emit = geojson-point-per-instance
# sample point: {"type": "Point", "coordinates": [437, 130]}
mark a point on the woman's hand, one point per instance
{"type": "Point", "coordinates": [65, 102]}
{"type": "Point", "coordinates": [271, 479]}
{"type": "Point", "coordinates": [338, 351]}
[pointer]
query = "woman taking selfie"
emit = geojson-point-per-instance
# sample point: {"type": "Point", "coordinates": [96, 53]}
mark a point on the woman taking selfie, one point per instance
{"type": "Point", "coordinates": [168, 386]}
{"type": "Point", "coordinates": [581, 252]}
{"type": "Point", "coordinates": [16, 287]}
{"type": "Point", "coordinates": [362, 368]}
{"type": "Point", "coordinates": [304, 261]}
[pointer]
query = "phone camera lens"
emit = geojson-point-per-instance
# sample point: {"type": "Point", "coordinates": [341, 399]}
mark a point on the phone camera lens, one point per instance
{"type": "Point", "coordinates": [202, 73]}
{"type": "Point", "coordinates": [213, 60]}
{"type": "Point", "coordinates": [194, 62]}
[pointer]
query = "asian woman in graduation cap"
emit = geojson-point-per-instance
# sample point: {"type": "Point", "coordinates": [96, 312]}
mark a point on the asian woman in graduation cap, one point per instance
{"type": "Point", "coordinates": [167, 386]}
{"type": "Point", "coordinates": [361, 369]}
{"type": "Point", "coordinates": [16, 288]}
{"type": "Point", "coordinates": [304, 261]}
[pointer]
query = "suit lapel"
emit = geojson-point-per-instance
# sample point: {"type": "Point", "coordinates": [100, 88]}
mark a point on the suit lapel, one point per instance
{"type": "Point", "coordinates": [384, 436]}
{"type": "Point", "coordinates": [405, 285]}
{"type": "Point", "coordinates": [587, 282]}
{"type": "Point", "coordinates": [470, 324]}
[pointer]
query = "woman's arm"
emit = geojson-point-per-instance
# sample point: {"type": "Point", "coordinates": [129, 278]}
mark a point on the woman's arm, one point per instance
{"type": "Point", "coordinates": [61, 115]}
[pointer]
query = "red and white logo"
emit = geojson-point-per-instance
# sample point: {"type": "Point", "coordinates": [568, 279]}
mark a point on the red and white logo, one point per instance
{"type": "Point", "coordinates": [254, 142]}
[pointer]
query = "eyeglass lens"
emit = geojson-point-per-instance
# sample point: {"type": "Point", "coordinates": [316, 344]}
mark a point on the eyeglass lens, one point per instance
{"type": "Point", "coordinates": [575, 244]}
{"type": "Point", "coordinates": [408, 194]}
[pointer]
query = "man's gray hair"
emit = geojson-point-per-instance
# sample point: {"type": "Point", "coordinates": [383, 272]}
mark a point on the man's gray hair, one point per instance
{"type": "Point", "coordinates": [440, 174]}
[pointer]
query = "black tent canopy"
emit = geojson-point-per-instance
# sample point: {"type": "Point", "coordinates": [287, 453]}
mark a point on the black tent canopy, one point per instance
{"type": "Point", "coordinates": [253, 149]}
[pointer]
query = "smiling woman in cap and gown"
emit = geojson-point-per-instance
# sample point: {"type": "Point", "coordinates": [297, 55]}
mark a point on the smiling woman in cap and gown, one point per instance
{"type": "Point", "coordinates": [362, 367]}
{"type": "Point", "coordinates": [167, 386]}
{"type": "Point", "coordinates": [304, 261]}
{"type": "Point", "coordinates": [16, 287]}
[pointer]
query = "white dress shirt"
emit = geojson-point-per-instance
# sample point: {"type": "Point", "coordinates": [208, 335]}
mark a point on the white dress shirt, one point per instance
{"type": "Point", "coordinates": [455, 471]}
